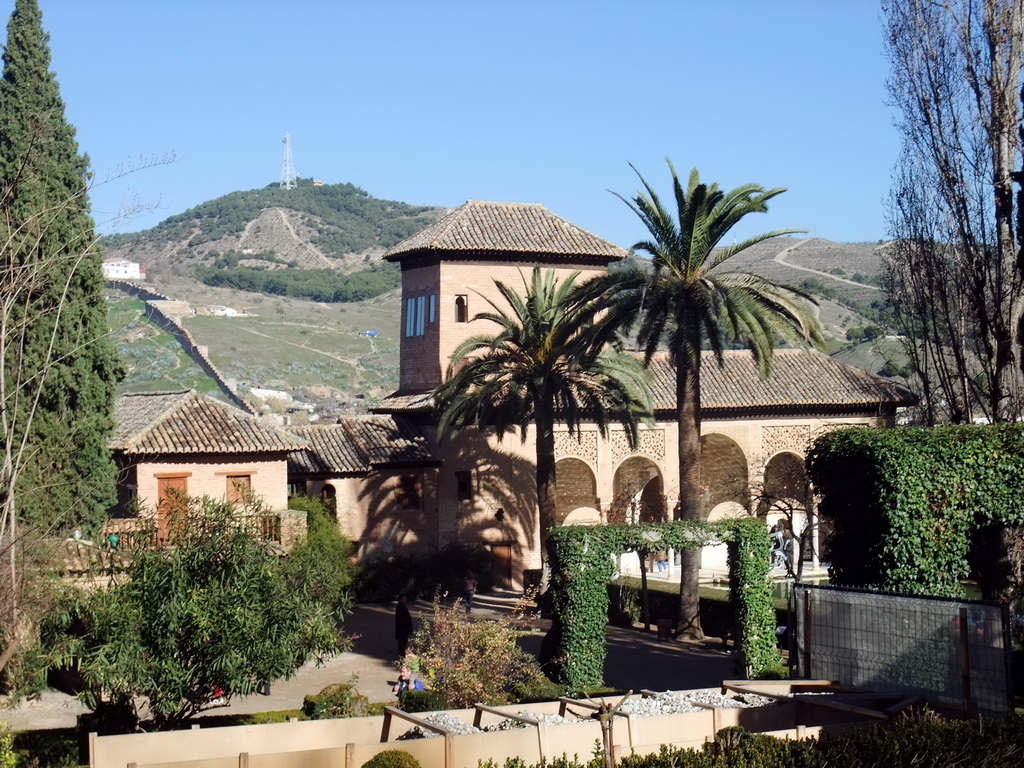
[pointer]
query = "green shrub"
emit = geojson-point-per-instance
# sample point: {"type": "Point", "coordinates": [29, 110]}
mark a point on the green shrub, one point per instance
{"type": "Point", "coordinates": [422, 701]}
{"type": "Point", "coordinates": [49, 748]}
{"type": "Point", "coordinates": [905, 504]}
{"type": "Point", "coordinates": [922, 744]}
{"type": "Point", "coordinates": [536, 687]}
{"type": "Point", "coordinates": [322, 564]}
{"type": "Point", "coordinates": [392, 758]}
{"type": "Point", "coordinates": [927, 743]}
{"type": "Point", "coordinates": [469, 661]}
{"type": "Point", "coordinates": [337, 700]}
{"type": "Point", "coordinates": [251, 718]}
{"type": "Point", "coordinates": [7, 756]}
{"type": "Point", "coordinates": [778, 672]}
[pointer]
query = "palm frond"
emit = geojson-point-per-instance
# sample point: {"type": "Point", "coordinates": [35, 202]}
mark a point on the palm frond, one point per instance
{"type": "Point", "coordinates": [686, 304]}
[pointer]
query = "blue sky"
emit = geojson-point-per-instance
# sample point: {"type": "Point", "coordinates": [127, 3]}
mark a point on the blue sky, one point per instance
{"type": "Point", "coordinates": [434, 103]}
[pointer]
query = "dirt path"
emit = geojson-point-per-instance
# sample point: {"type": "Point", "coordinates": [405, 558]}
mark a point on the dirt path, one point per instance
{"type": "Point", "coordinates": [780, 257]}
{"type": "Point", "coordinates": [308, 246]}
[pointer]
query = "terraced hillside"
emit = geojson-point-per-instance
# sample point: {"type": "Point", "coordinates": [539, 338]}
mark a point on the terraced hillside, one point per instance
{"type": "Point", "coordinates": [319, 353]}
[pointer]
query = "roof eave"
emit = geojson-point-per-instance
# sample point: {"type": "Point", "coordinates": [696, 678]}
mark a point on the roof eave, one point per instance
{"type": "Point", "coordinates": [430, 254]}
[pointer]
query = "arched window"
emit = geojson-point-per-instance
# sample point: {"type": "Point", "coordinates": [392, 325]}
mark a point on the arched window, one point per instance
{"type": "Point", "coordinates": [461, 309]}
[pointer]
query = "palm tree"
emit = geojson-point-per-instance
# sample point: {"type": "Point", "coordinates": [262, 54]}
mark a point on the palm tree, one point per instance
{"type": "Point", "coordinates": [549, 361]}
{"type": "Point", "coordinates": [685, 300]}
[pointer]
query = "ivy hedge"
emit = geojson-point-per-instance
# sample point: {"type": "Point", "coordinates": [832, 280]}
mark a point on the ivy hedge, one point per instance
{"type": "Point", "coordinates": [582, 565]}
{"type": "Point", "coordinates": [905, 503]}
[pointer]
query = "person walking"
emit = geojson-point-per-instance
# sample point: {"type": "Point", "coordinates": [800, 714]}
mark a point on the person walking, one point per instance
{"type": "Point", "coordinates": [469, 587]}
{"type": "Point", "coordinates": [403, 626]}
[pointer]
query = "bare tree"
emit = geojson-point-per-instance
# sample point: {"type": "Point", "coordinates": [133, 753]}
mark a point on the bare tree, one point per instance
{"type": "Point", "coordinates": [952, 271]}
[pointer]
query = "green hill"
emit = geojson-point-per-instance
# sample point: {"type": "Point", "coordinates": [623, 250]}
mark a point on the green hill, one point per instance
{"type": "Point", "coordinates": [317, 241]}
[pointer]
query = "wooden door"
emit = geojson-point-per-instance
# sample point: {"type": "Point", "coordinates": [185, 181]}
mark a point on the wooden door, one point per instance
{"type": "Point", "coordinates": [501, 565]}
{"type": "Point", "coordinates": [172, 494]}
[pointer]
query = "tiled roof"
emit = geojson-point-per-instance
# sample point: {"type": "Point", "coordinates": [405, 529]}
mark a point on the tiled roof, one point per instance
{"type": "Point", "coordinates": [796, 378]}
{"type": "Point", "coordinates": [502, 228]}
{"type": "Point", "coordinates": [187, 422]}
{"type": "Point", "coordinates": [398, 402]}
{"type": "Point", "coordinates": [359, 443]}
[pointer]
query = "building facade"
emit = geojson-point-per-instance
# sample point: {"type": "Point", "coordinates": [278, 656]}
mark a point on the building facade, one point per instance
{"type": "Point", "coordinates": [476, 490]}
{"type": "Point", "coordinates": [172, 446]}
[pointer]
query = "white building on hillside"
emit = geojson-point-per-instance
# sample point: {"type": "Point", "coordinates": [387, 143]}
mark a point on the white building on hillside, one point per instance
{"type": "Point", "coordinates": [122, 269]}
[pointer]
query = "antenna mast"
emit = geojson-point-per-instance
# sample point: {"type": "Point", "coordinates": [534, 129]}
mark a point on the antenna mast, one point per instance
{"type": "Point", "coordinates": [287, 166]}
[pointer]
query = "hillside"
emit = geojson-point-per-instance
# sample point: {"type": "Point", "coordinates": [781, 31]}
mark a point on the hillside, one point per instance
{"type": "Point", "coordinates": [314, 241]}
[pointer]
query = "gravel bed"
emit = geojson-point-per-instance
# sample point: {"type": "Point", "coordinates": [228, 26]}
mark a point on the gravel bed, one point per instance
{"type": "Point", "coordinates": [547, 719]}
{"type": "Point", "coordinates": [442, 720]}
{"type": "Point", "coordinates": [739, 701]}
{"type": "Point", "coordinates": [667, 703]}
{"type": "Point", "coordinates": [672, 702]}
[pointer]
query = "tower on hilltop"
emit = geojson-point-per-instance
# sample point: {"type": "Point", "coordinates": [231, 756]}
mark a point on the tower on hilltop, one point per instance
{"type": "Point", "coordinates": [287, 166]}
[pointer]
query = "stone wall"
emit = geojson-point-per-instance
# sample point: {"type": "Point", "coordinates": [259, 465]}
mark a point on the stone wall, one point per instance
{"type": "Point", "coordinates": [164, 313]}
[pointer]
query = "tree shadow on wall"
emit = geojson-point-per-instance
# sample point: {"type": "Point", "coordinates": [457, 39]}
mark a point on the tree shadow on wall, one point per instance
{"type": "Point", "coordinates": [499, 508]}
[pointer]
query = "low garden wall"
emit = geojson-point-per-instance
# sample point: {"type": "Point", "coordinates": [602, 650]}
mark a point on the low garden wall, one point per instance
{"type": "Point", "coordinates": [545, 730]}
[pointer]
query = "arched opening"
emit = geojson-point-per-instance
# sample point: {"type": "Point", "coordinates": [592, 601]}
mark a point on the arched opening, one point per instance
{"type": "Point", "coordinates": [461, 309]}
{"type": "Point", "coordinates": [329, 498]}
{"type": "Point", "coordinates": [583, 516]}
{"type": "Point", "coordinates": [638, 495]}
{"type": "Point", "coordinates": [784, 500]}
{"type": "Point", "coordinates": [576, 489]}
{"type": "Point", "coordinates": [725, 475]}
{"type": "Point", "coordinates": [638, 498]}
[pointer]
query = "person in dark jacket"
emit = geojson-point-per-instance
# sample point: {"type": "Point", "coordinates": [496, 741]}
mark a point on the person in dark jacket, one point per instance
{"type": "Point", "coordinates": [403, 626]}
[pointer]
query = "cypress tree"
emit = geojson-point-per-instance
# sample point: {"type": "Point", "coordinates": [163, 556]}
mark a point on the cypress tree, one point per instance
{"type": "Point", "coordinates": [60, 367]}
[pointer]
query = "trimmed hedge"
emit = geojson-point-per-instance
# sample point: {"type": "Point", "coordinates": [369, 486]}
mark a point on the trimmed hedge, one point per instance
{"type": "Point", "coordinates": [922, 744]}
{"type": "Point", "coordinates": [392, 758]}
{"type": "Point", "coordinates": [905, 503]}
{"type": "Point", "coordinates": [581, 567]}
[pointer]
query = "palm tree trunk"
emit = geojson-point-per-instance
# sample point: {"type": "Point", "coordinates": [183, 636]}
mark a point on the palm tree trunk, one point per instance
{"type": "Point", "coordinates": [546, 486]}
{"type": "Point", "coordinates": [691, 497]}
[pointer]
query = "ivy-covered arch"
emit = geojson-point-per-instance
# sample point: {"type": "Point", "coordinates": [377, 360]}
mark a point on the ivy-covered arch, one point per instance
{"type": "Point", "coordinates": [581, 566]}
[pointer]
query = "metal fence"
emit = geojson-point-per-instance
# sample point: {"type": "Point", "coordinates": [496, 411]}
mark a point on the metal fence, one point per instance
{"type": "Point", "coordinates": [954, 653]}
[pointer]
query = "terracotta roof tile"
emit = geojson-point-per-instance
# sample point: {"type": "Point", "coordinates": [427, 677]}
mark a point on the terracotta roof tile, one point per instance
{"type": "Point", "coordinates": [481, 227]}
{"type": "Point", "coordinates": [796, 378]}
{"type": "Point", "coordinates": [187, 422]}
{"type": "Point", "coordinates": [360, 443]}
{"type": "Point", "coordinates": [399, 402]}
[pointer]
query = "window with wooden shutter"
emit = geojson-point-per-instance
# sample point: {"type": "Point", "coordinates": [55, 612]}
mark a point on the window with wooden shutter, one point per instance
{"type": "Point", "coordinates": [239, 489]}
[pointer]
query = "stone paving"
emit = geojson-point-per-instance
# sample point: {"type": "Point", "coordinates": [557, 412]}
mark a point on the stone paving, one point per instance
{"type": "Point", "coordinates": [635, 660]}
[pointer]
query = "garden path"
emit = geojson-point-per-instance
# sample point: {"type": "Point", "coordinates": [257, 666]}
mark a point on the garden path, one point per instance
{"type": "Point", "coordinates": [635, 660]}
